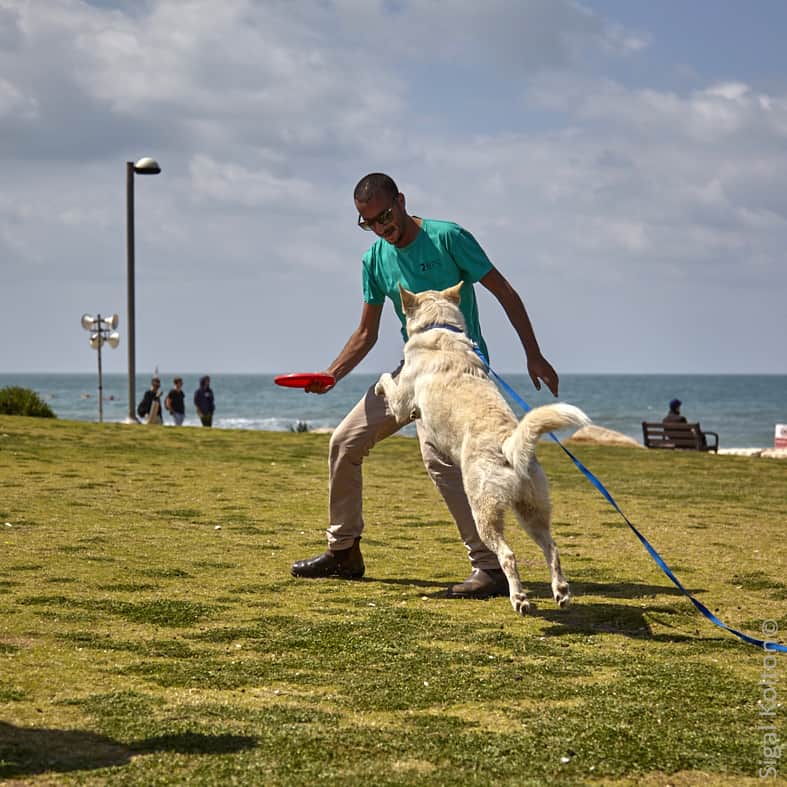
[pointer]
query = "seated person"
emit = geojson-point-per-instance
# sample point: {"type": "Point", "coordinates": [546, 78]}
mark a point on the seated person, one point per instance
{"type": "Point", "coordinates": [674, 416]}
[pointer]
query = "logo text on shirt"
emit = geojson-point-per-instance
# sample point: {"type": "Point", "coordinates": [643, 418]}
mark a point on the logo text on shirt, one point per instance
{"type": "Point", "coordinates": [427, 266]}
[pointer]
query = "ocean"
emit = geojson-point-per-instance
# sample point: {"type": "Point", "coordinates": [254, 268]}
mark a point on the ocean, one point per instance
{"type": "Point", "coordinates": [743, 409]}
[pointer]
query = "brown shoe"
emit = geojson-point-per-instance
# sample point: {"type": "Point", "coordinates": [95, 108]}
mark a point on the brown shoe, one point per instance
{"type": "Point", "coordinates": [482, 583]}
{"type": "Point", "coordinates": [344, 563]}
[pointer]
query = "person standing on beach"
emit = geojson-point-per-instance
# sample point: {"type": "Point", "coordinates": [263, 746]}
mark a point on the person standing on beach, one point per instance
{"type": "Point", "coordinates": [421, 254]}
{"type": "Point", "coordinates": [150, 406]}
{"type": "Point", "coordinates": [203, 401]}
{"type": "Point", "coordinates": [175, 402]}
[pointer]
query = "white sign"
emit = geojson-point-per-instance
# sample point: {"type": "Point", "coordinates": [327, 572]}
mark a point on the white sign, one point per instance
{"type": "Point", "coordinates": [780, 436]}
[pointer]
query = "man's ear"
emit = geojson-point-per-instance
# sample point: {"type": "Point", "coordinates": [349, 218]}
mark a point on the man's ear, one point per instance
{"type": "Point", "coordinates": [453, 293]}
{"type": "Point", "coordinates": [408, 298]}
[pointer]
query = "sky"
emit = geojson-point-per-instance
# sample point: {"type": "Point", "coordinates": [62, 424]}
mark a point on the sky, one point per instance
{"type": "Point", "coordinates": [621, 162]}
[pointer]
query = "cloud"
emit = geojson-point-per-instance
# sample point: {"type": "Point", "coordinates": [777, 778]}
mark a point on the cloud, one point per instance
{"type": "Point", "coordinates": [690, 171]}
{"type": "Point", "coordinates": [232, 185]}
{"type": "Point", "coordinates": [522, 37]}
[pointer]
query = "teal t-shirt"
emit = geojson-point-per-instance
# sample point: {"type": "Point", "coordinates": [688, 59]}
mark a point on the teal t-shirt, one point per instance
{"type": "Point", "coordinates": [442, 255]}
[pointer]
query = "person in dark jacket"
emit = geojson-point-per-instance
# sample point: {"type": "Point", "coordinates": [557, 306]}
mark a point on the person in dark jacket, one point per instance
{"type": "Point", "coordinates": [175, 402]}
{"type": "Point", "coordinates": [674, 416]}
{"type": "Point", "coordinates": [150, 407]}
{"type": "Point", "coordinates": [203, 401]}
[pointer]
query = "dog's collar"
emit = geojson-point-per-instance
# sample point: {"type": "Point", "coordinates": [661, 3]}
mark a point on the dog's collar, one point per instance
{"type": "Point", "coordinates": [444, 325]}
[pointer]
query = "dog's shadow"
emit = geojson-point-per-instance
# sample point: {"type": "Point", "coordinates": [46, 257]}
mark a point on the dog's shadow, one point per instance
{"type": "Point", "coordinates": [585, 617]}
{"type": "Point", "coordinates": [542, 589]}
{"type": "Point", "coordinates": [600, 618]}
{"type": "Point", "coordinates": [605, 617]}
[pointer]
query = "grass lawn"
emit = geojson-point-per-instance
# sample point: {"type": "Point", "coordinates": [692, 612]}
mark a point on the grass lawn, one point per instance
{"type": "Point", "coordinates": [150, 631]}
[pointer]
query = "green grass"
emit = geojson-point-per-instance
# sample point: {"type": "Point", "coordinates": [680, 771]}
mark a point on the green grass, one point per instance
{"type": "Point", "coordinates": [152, 634]}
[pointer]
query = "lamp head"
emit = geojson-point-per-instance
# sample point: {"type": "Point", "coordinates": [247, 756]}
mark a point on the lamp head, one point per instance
{"type": "Point", "coordinates": [147, 166]}
{"type": "Point", "coordinates": [113, 339]}
{"type": "Point", "coordinates": [88, 322]}
{"type": "Point", "coordinates": [110, 323]}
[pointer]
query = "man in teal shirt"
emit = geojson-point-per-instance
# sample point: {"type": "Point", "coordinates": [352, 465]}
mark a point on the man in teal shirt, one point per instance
{"type": "Point", "coordinates": [441, 254]}
{"type": "Point", "coordinates": [422, 254]}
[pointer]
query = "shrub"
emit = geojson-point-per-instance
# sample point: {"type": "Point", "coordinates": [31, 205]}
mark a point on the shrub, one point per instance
{"type": "Point", "coordinates": [22, 401]}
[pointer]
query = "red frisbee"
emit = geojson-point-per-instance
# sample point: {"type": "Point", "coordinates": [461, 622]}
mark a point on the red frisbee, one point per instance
{"type": "Point", "coordinates": [302, 379]}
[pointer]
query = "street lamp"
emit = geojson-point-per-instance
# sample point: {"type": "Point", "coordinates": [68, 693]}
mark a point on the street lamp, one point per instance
{"type": "Point", "coordinates": [145, 166]}
{"type": "Point", "coordinates": [102, 329]}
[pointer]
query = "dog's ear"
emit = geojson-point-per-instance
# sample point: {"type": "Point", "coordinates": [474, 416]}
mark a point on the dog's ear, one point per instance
{"type": "Point", "coordinates": [453, 294]}
{"type": "Point", "coordinates": [408, 298]}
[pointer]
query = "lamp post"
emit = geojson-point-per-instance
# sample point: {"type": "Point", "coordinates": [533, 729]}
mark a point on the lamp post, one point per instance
{"type": "Point", "coordinates": [102, 330]}
{"type": "Point", "coordinates": [145, 166]}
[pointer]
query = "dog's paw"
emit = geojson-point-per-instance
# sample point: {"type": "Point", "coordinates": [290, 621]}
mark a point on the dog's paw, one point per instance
{"type": "Point", "coordinates": [562, 595]}
{"type": "Point", "coordinates": [521, 603]}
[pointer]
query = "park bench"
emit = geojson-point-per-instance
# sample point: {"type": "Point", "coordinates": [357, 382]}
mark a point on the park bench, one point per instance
{"type": "Point", "coordinates": [676, 435]}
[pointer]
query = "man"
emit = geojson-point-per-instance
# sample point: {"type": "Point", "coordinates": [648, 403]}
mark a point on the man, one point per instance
{"type": "Point", "coordinates": [175, 402]}
{"type": "Point", "coordinates": [150, 406]}
{"type": "Point", "coordinates": [204, 402]}
{"type": "Point", "coordinates": [422, 254]}
{"type": "Point", "coordinates": [674, 416]}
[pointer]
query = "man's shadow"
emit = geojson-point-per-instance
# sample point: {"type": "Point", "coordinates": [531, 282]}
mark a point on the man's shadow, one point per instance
{"type": "Point", "coordinates": [27, 751]}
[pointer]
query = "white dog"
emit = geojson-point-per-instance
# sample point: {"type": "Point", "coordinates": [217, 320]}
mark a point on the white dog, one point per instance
{"type": "Point", "coordinates": [446, 385]}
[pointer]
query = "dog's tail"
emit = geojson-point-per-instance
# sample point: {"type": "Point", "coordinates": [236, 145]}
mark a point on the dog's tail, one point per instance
{"type": "Point", "coordinates": [519, 448]}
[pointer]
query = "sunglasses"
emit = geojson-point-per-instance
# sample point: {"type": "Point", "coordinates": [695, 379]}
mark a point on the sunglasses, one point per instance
{"type": "Point", "coordinates": [383, 218]}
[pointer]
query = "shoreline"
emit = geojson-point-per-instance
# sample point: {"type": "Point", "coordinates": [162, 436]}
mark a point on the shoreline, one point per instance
{"type": "Point", "coordinates": [592, 434]}
{"type": "Point", "coordinates": [768, 453]}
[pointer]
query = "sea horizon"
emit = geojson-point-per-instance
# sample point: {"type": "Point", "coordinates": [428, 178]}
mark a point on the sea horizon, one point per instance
{"type": "Point", "coordinates": [742, 408]}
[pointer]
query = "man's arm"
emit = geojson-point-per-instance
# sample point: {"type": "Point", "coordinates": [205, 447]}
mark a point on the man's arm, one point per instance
{"type": "Point", "coordinates": [357, 348]}
{"type": "Point", "coordinates": [537, 366]}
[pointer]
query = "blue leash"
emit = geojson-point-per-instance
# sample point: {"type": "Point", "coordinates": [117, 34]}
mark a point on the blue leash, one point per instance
{"type": "Point", "coordinates": [764, 644]}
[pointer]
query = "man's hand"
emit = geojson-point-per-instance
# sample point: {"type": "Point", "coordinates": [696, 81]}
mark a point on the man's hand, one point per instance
{"type": "Point", "coordinates": [540, 369]}
{"type": "Point", "coordinates": [317, 387]}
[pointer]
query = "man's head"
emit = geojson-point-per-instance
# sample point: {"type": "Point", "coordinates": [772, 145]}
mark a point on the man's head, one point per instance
{"type": "Point", "coordinates": [381, 209]}
{"type": "Point", "coordinates": [674, 405]}
{"type": "Point", "coordinates": [370, 186]}
{"type": "Point", "coordinates": [155, 383]}
{"type": "Point", "coordinates": [177, 381]}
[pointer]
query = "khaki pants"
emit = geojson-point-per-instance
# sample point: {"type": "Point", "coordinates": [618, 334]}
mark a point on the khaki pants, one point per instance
{"type": "Point", "coordinates": [364, 426]}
